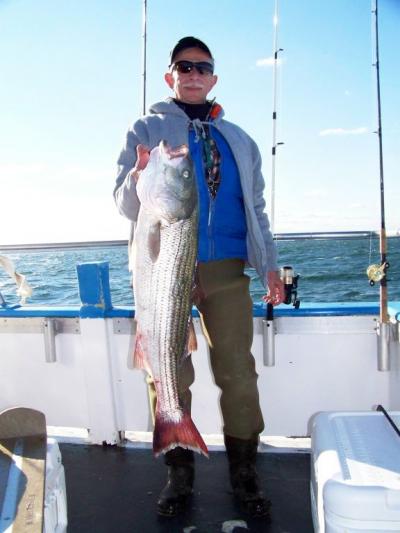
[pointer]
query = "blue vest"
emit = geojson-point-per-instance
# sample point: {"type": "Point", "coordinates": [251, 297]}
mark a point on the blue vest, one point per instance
{"type": "Point", "coordinates": [222, 221]}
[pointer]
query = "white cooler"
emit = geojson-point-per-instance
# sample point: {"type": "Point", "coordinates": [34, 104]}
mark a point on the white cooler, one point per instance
{"type": "Point", "coordinates": [355, 472]}
{"type": "Point", "coordinates": [55, 497]}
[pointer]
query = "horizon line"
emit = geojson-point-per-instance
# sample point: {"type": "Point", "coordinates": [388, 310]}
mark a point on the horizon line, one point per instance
{"type": "Point", "coordinates": [121, 242]}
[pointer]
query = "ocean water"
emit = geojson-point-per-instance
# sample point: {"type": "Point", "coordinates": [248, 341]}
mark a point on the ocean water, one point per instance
{"type": "Point", "coordinates": [330, 270]}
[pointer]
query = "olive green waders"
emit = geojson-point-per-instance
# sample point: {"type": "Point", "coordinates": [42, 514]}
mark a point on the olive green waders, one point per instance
{"type": "Point", "coordinates": [226, 312]}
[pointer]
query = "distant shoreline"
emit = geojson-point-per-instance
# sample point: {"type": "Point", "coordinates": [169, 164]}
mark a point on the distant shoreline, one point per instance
{"type": "Point", "coordinates": [332, 235]}
{"type": "Point", "coordinates": [124, 242]}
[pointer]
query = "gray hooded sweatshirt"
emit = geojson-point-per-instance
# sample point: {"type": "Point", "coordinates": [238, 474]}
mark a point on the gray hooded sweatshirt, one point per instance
{"type": "Point", "coordinates": [166, 121]}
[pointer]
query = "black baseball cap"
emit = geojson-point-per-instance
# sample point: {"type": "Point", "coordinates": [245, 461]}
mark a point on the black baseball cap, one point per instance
{"type": "Point", "coordinates": [188, 42]}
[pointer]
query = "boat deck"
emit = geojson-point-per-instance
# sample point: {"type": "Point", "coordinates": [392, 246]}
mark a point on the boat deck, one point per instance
{"type": "Point", "coordinates": [114, 489]}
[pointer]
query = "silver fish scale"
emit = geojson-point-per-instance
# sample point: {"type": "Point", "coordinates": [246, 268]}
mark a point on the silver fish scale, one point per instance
{"type": "Point", "coordinates": [163, 302]}
{"type": "Point", "coordinates": [172, 304]}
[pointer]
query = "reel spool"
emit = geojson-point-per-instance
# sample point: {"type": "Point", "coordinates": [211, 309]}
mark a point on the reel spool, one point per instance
{"type": "Point", "coordinates": [376, 273]}
{"type": "Point", "coordinates": [290, 281]}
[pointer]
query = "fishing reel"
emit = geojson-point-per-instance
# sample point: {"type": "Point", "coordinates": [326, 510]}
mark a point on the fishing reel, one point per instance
{"type": "Point", "coordinates": [376, 273]}
{"type": "Point", "coordinates": [290, 281]}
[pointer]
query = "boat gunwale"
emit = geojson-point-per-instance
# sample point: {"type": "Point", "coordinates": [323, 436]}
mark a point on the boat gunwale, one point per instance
{"type": "Point", "coordinates": [307, 309]}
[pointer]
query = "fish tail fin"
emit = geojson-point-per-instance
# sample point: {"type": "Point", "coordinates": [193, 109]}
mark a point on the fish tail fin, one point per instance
{"type": "Point", "coordinates": [169, 434]}
{"type": "Point", "coordinates": [192, 339]}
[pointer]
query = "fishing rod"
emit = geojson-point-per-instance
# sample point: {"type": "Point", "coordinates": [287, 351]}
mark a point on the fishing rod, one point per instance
{"type": "Point", "coordinates": [144, 55]}
{"type": "Point", "coordinates": [274, 115]}
{"type": "Point", "coordinates": [268, 321]}
{"type": "Point", "coordinates": [144, 75]}
{"type": "Point", "coordinates": [377, 273]}
{"type": "Point", "coordinates": [287, 274]}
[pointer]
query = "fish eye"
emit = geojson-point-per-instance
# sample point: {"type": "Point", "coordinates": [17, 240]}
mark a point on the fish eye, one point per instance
{"type": "Point", "coordinates": [185, 174]}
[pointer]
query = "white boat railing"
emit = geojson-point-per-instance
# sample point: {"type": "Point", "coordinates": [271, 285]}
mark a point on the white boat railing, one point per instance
{"type": "Point", "coordinates": [74, 363]}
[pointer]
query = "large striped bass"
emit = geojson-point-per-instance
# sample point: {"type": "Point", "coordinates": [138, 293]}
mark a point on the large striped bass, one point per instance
{"type": "Point", "coordinates": [164, 256]}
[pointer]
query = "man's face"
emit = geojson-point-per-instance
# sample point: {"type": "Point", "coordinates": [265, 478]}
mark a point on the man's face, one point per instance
{"type": "Point", "coordinates": [191, 87]}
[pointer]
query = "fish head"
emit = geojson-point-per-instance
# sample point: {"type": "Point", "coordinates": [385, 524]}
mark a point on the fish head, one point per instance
{"type": "Point", "coordinates": [167, 187]}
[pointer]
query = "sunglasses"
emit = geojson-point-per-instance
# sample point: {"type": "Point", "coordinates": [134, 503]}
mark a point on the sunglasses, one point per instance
{"type": "Point", "coordinates": [202, 67]}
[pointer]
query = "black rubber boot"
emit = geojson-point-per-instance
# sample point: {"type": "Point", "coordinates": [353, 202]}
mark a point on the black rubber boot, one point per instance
{"type": "Point", "coordinates": [175, 495]}
{"type": "Point", "coordinates": [242, 456]}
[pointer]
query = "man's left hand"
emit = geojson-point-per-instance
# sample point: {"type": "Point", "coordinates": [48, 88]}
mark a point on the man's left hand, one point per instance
{"type": "Point", "coordinates": [276, 290]}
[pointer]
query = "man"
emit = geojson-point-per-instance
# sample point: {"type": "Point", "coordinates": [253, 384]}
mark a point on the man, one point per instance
{"type": "Point", "coordinates": [233, 230]}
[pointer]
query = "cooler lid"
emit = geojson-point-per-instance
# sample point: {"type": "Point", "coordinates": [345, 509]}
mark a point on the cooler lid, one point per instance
{"type": "Point", "coordinates": [368, 451]}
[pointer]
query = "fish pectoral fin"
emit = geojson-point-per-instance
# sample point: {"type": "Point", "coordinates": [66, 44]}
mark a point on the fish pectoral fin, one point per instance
{"type": "Point", "coordinates": [191, 338]}
{"type": "Point", "coordinates": [153, 242]}
{"type": "Point", "coordinates": [139, 355]}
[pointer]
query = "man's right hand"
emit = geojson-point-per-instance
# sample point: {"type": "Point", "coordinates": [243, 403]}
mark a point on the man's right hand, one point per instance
{"type": "Point", "coordinates": [143, 156]}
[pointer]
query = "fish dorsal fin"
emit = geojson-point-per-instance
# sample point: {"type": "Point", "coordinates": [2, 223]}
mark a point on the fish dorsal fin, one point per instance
{"type": "Point", "coordinates": [154, 241]}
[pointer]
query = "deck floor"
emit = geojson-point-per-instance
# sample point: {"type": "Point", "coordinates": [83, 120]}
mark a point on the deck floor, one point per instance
{"type": "Point", "coordinates": [115, 489]}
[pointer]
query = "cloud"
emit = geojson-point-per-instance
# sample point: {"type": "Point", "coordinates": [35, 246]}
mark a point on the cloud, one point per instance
{"type": "Point", "coordinates": [315, 193]}
{"type": "Point", "coordinates": [343, 131]}
{"type": "Point", "coordinates": [267, 62]}
{"type": "Point", "coordinates": [15, 170]}
{"type": "Point", "coordinates": [43, 174]}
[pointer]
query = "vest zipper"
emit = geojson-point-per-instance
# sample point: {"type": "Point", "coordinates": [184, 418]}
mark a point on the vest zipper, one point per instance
{"type": "Point", "coordinates": [211, 244]}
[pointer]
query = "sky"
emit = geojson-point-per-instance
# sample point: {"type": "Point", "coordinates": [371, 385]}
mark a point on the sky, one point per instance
{"type": "Point", "coordinates": [70, 87]}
